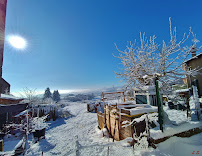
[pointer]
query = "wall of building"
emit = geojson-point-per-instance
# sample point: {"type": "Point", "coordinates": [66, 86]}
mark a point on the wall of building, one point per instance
{"type": "Point", "coordinates": [3, 4]}
{"type": "Point", "coordinates": [9, 101]}
{"type": "Point", "coordinates": [194, 63]}
{"type": "Point", "coordinates": [4, 86]}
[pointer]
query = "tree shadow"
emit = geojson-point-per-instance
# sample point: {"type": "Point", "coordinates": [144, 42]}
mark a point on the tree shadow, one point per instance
{"type": "Point", "coordinates": [57, 122]}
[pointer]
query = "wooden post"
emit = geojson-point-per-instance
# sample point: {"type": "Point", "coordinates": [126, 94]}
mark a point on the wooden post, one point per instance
{"type": "Point", "coordinates": [109, 110]}
{"type": "Point", "coordinates": [1, 145]}
{"type": "Point", "coordinates": [124, 97]}
{"type": "Point", "coordinates": [160, 107]}
{"type": "Point", "coordinates": [104, 107]}
{"type": "Point", "coordinates": [88, 108]}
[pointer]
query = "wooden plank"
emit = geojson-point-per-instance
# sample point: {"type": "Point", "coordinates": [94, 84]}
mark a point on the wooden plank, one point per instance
{"type": "Point", "coordinates": [100, 117]}
{"type": "Point", "coordinates": [112, 92]}
{"type": "Point", "coordinates": [125, 133]}
{"type": "Point", "coordinates": [112, 122]}
{"type": "Point", "coordinates": [116, 135]}
{"type": "Point", "coordinates": [124, 118]}
{"type": "Point", "coordinates": [125, 111]}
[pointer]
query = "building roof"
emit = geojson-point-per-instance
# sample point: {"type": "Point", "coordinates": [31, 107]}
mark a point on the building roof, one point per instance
{"type": "Point", "coordinates": [10, 97]}
{"type": "Point", "coordinates": [193, 58]}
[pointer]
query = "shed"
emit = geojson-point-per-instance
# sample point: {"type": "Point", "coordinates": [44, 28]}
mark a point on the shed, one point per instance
{"type": "Point", "coordinates": [7, 111]}
{"type": "Point", "coordinates": [145, 95]}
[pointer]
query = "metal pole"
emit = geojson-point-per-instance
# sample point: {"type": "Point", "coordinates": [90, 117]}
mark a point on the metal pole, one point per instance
{"type": "Point", "coordinates": [159, 104]}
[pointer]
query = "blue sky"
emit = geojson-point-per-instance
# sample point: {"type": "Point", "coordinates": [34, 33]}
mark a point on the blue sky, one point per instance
{"type": "Point", "coordinates": [70, 42]}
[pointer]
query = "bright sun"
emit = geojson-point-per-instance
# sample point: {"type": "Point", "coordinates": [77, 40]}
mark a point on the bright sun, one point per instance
{"type": "Point", "coordinates": [17, 42]}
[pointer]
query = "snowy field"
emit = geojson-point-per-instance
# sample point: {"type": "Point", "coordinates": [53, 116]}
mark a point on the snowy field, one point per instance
{"type": "Point", "coordinates": [78, 135]}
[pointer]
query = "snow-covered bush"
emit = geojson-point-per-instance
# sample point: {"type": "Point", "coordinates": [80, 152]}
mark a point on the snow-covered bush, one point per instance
{"type": "Point", "coordinates": [48, 101]}
{"type": "Point", "coordinates": [63, 112]}
{"type": "Point", "coordinates": [142, 142]}
{"type": "Point", "coordinates": [39, 123]}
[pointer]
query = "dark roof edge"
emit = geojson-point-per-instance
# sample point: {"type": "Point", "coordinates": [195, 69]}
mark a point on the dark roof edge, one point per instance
{"type": "Point", "coordinates": [192, 58]}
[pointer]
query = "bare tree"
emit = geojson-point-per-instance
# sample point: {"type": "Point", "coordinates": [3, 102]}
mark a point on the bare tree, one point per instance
{"type": "Point", "coordinates": [145, 61]}
{"type": "Point", "coordinates": [29, 94]}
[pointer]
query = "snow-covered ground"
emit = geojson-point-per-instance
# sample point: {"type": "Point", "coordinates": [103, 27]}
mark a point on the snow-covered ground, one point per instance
{"type": "Point", "coordinates": [78, 135]}
{"type": "Point", "coordinates": [178, 123]}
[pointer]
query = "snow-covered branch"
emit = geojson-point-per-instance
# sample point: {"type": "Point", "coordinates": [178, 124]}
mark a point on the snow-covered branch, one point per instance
{"type": "Point", "coordinates": [144, 61]}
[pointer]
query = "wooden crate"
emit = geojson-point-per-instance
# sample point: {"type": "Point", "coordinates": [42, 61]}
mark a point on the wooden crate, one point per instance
{"type": "Point", "coordinates": [114, 124]}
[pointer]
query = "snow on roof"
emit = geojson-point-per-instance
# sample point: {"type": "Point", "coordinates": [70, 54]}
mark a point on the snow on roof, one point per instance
{"type": "Point", "coordinates": [10, 97]}
{"type": "Point", "coordinates": [182, 90]}
{"type": "Point", "coordinates": [21, 113]}
{"type": "Point", "coordinates": [118, 102]}
{"type": "Point", "coordinates": [148, 87]}
{"type": "Point", "coordinates": [192, 58]}
{"type": "Point", "coordinates": [143, 108]}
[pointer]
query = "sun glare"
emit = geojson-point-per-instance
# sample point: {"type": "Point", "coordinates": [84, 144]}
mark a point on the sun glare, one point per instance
{"type": "Point", "coordinates": [17, 42]}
